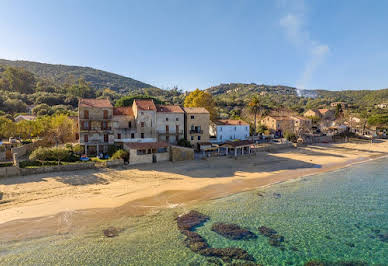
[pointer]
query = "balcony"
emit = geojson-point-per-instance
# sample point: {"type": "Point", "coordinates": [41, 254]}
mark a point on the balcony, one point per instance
{"type": "Point", "coordinates": [109, 117]}
{"type": "Point", "coordinates": [96, 129]}
{"type": "Point", "coordinates": [165, 132]}
{"type": "Point", "coordinates": [196, 131]}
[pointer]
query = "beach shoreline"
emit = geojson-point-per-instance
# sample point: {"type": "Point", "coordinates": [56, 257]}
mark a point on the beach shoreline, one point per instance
{"type": "Point", "coordinates": [72, 207]}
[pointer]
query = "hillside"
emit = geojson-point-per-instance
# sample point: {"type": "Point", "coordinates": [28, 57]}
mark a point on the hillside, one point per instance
{"type": "Point", "coordinates": [60, 74]}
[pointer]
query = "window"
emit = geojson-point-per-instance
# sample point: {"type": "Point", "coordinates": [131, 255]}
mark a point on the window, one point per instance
{"type": "Point", "coordinates": [129, 124]}
{"type": "Point", "coordinates": [167, 138]}
{"type": "Point", "coordinates": [177, 119]}
{"type": "Point", "coordinates": [105, 114]}
{"type": "Point", "coordinates": [199, 137]}
{"type": "Point", "coordinates": [142, 113]}
{"type": "Point", "coordinates": [85, 125]}
{"type": "Point", "coordinates": [220, 136]}
{"type": "Point", "coordinates": [192, 138]}
{"type": "Point", "coordinates": [142, 135]}
{"type": "Point", "coordinates": [177, 138]}
{"type": "Point", "coordinates": [167, 129]}
{"type": "Point", "coordinates": [104, 125]}
{"type": "Point", "coordinates": [86, 114]}
{"type": "Point", "coordinates": [86, 138]}
{"type": "Point", "coordinates": [141, 124]}
{"type": "Point", "coordinates": [132, 135]}
{"type": "Point", "coordinates": [192, 117]}
{"type": "Point", "coordinates": [119, 136]}
{"type": "Point", "coordinates": [106, 138]}
{"type": "Point", "coordinates": [166, 118]}
{"type": "Point", "coordinates": [221, 129]}
{"type": "Point", "coordinates": [235, 128]}
{"type": "Point", "coordinates": [192, 127]}
{"type": "Point", "coordinates": [177, 129]}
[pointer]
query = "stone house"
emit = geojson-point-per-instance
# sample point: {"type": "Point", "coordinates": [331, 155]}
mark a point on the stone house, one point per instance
{"type": "Point", "coordinates": [197, 121]}
{"type": "Point", "coordinates": [229, 129]}
{"type": "Point", "coordinates": [145, 116]}
{"type": "Point", "coordinates": [282, 124]}
{"type": "Point", "coordinates": [95, 125]}
{"type": "Point", "coordinates": [170, 123]}
{"type": "Point", "coordinates": [124, 125]}
{"type": "Point", "coordinates": [147, 152]}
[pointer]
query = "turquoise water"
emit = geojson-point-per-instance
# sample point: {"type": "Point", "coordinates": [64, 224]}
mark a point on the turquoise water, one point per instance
{"type": "Point", "coordinates": [330, 217]}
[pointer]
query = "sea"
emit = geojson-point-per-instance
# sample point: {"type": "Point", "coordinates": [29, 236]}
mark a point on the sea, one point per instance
{"type": "Point", "coordinates": [334, 218]}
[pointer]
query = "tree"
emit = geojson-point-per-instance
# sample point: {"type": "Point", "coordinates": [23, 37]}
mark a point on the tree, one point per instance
{"type": "Point", "coordinates": [60, 154]}
{"type": "Point", "coordinates": [128, 100]}
{"type": "Point", "coordinates": [81, 89]}
{"type": "Point", "coordinates": [254, 107]}
{"type": "Point", "coordinates": [20, 80]}
{"type": "Point", "coordinates": [203, 99]}
{"type": "Point", "coordinates": [61, 129]}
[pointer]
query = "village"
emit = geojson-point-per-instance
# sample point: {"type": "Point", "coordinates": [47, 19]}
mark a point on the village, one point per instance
{"type": "Point", "coordinates": [148, 132]}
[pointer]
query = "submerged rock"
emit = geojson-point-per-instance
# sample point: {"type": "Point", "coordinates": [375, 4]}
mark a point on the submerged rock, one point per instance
{"type": "Point", "coordinates": [191, 219]}
{"type": "Point", "coordinates": [277, 195]}
{"type": "Point", "coordinates": [194, 241]}
{"type": "Point", "coordinates": [111, 232]}
{"type": "Point", "coordinates": [232, 231]}
{"type": "Point", "coordinates": [383, 237]}
{"type": "Point", "coordinates": [260, 194]}
{"type": "Point", "coordinates": [266, 231]}
{"type": "Point", "coordinates": [231, 253]}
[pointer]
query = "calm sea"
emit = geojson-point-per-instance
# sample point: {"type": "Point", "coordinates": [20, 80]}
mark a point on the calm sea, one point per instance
{"type": "Point", "coordinates": [335, 217]}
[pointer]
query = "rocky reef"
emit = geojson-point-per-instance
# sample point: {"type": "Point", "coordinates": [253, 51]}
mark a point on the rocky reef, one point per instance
{"type": "Point", "coordinates": [275, 239]}
{"type": "Point", "coordinates": [190, 220]}
{"type": "Point", "coordinates": [232, 231]}
{"type": "Point", "coordinates": [196, 243]}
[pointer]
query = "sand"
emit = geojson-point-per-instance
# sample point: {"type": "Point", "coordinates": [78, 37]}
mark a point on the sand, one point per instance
{"type": "Point", "coordinates": [37, 205]}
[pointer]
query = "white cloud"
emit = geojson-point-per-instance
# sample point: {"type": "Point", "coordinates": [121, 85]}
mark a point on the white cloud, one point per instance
{"type": "Point", "coordinates": [293, 24]}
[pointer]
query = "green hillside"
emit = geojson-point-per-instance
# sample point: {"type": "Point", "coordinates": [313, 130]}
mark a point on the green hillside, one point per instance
{"type": "Point", "coordinates": [61, 74]}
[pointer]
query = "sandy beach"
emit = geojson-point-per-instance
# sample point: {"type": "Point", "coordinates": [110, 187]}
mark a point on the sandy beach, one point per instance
{"type": "Point", "coordinates": [61, 202]}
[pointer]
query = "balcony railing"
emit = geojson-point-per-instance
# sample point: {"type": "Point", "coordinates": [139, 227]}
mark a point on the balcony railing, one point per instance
{"type": "Point", "coordinates": [170, 132]}
{"type": "Point", "coordinates": [193, 131]}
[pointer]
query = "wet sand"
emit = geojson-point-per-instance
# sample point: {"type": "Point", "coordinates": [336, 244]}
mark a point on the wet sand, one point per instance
{"type": "Point", "coordinates": [54, 203]}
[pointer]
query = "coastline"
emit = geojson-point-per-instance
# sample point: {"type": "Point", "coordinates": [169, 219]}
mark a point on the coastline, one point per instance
{"type": "Point", "coordinates": [41, 217]}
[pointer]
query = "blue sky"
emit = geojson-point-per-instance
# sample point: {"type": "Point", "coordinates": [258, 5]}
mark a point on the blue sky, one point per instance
{"type": "Point", "coordinates": [314, 44]}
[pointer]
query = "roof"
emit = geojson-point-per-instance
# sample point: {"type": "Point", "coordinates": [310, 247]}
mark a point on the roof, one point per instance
{"type": "Point", "coordinates": [145, 104]}
{"type": "Point", "coordinates": [324, 111]}
{"type": "Point", "coordinates": [146, 145]}
{"type": "Point", "coordinates": [196, 110]}
{"type": "Point", "coordinates": [238, 143]}
{"type": "Point", "coordinates": [26, 117]}
{"type": "Point", "coordinates": [101, 103]}
{"type": "Point", "coordinates": [280, 117]}
{"type": "Point", "coordinates": [123, 111]}
{"type": "Point", "coordinates": [231, 122]}
{"type": "Point", "coordinates": [169, 109]}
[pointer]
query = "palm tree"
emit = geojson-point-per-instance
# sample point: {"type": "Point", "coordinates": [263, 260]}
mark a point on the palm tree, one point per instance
{"type": "Point", "coordinates": [254, 107]}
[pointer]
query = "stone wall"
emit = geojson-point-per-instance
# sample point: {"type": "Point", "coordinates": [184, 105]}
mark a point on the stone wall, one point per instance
{"type": "Point", "coordinates": [57, 168]}
{"type": "Point", "coordinates": [162, 157]}
{"type": "Point", "coordinates": [24, 149]}
{"type": "Point", "coordinates": [9, 171]}
{"type": "Point", "coordinates": [2, 156]}
{"type": "Point", "coordinates": [274, 147]}
{"type": "Point", "coordinates": [181, 153]}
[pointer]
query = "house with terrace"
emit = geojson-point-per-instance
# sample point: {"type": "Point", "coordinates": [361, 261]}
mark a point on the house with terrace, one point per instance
{"type": "Point", "coordinates": [229, 129]}
{"type": "Point", "coordinates": [95, 119]}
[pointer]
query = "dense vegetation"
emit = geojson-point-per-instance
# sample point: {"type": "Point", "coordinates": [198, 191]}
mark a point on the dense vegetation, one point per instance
{"type": "Point", "coordinates": [45, 89]}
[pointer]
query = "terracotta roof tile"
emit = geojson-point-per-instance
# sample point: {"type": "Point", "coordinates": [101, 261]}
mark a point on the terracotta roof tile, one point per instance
{"type": "Point", "coordinates": [123, 111]}
{"type": "Point", "coordinates": [146, 145]}
{"type": "Point", "coordinates": [231, 122]}
{"type": "Point", "coordinates": [101, 103]}
{"type": "Point", "coordinates": [145, 104]}
{"type": "Point", "coordinates": [195, 110]}
{"type": "Point", "coordinates": [169, 109]}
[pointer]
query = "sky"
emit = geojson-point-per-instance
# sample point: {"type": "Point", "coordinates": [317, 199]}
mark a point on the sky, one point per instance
{"type": "Point", "coordinates": [329, 44]}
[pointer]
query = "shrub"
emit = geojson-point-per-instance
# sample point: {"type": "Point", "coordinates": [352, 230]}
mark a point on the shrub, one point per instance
{"type": "Point", "coordinates": [42, 154]}
{"type": "Point", "coordinates": [184, 143]}
{"type": "Point", "coordinates": [51, 154]}
{"type": "Point", "coordinates": [291, 137]}
{"type": "Point", "coordinates": [121, 154]}
{"type": "Point", "coordinates": [5, 164]}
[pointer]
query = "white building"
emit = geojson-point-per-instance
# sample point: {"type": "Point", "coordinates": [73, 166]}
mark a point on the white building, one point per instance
{"type": "Point", "coordinates": [226, 130]}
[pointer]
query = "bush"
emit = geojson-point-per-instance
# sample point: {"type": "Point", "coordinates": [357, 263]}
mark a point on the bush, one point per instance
{"type": "Point", "coordinates": [121, 154]}
{"type": "Point", "coordinates": [51, 154]}
{"type": "Point", "coordinates": [291, 137]}
{"type": "Point", "coordinates": [184, 143]}
{"type": "Point", "coordinates": [5, 164]}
